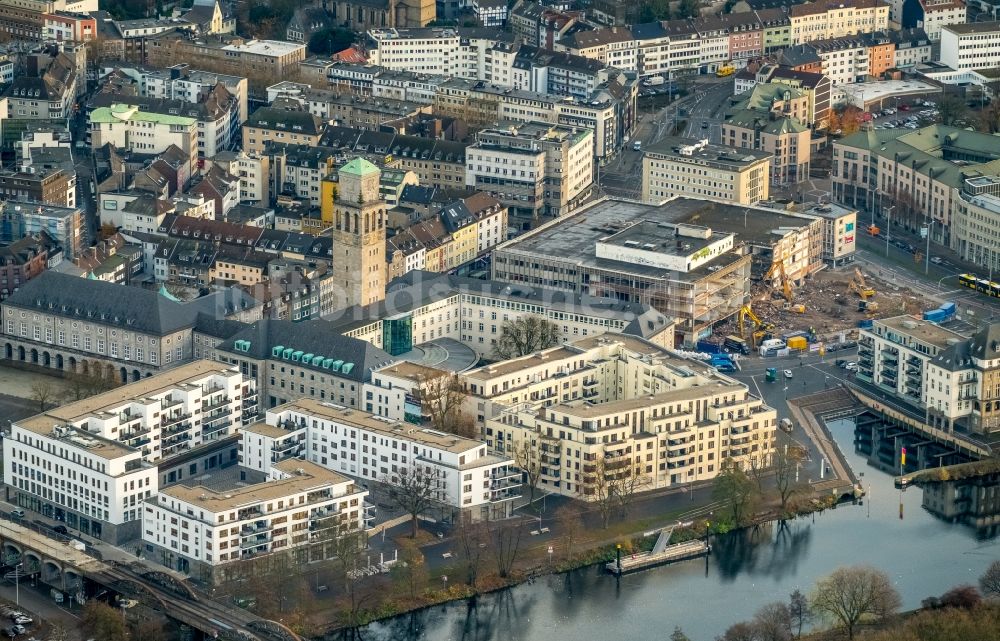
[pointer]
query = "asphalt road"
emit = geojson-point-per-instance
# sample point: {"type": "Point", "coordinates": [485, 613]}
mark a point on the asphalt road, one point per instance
{"type": "Point", "coordinates": [707, 110]}
{"type": "Point", "coordinates": [622, 177]}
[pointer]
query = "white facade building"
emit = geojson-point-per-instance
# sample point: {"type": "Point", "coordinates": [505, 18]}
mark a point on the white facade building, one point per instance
{"type": "Point", "coordinates": [975, 45]}
{"type": "Point", "coordinates": [299, 506]}
{"type": "Point", "coordinates": [90, 463]}
{"type": "Point", "coordinates": [374, 448]}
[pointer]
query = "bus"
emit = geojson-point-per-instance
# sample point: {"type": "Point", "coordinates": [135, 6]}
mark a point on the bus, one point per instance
{"type": "Point", "coordinates": [981, 285]}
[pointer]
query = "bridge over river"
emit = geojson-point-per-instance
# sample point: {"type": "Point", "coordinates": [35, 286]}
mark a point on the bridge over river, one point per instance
{"type": "Point", "coordinates": [64, 566]}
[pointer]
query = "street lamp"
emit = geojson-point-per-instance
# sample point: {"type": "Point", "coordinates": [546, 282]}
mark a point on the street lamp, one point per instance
{"type": "Point", "coordinates": [888, 226]}
{"type": "Point", "coordinates": [927, 259]}
{"type": "Point", "coordinates": [17, 584]}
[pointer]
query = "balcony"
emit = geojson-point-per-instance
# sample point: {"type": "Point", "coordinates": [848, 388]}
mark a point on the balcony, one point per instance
{"type": "Point", "coordinates": [167, 403]}
{"type": "Point", "coordinates": [216, 424]}
{"type": "Point", "coordinates": [287, 446]}
{"type": "Point", "coordinates": [590, 383]}
{"type": "Point", "coordinates": [172, 420]}
{"type": "Point", "coordinates": [222, 401]}
{"type": "Point", "coordinates": [176, 428]}
{"type": "Point", "coordinates": [255, 541]}
{"type": "Point", "coordinates": [550, 460]}
{"type": "Point", "coordinates": [255, 528]}
{"type": "Point", "coordinates": [591, 393]}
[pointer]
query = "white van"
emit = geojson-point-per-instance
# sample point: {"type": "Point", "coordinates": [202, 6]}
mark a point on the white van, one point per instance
{"type": "Point", "coordinates": [637, 145]}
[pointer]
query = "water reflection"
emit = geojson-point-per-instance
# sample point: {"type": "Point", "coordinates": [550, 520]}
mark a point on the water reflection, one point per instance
{"type": "Point", "coordinates": [770, 550]}
{"type": "Point", "coordinates": [925, 555]}
{"type": "Point", "coordinates": [974, 503]}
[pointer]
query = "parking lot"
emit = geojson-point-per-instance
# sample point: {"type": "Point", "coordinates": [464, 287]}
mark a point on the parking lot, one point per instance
{"type": "Point", "coordinates": [920, 114]}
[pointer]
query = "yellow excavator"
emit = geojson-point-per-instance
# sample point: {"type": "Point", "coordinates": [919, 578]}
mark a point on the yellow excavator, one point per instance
{"type": "Point", "coordinates": [860, 286]}
{"type": "Point", "coordinates": [778, 267]}
{"type": "Point", "coordinates": [760, 328]}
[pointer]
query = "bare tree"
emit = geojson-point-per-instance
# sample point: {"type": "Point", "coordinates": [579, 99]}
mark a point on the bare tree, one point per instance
{"type": "Point", "coordinates": [410, 572]}
{"type": "Point", "coordinates": [773, 622]}
{"type": "Point", "coordinates": [473, 539]}
{"type": "Point", "coordinates": [626, 485]}
{"type": "Point", "coordinates": [989, 583]}
{"type": "Point", "coordinates": [43, 392]}
{"type": "Point", "coordinates": [798, 608]}
{"type": "Point", "coordinates": [81, 386]}
{"type": "Point", "coordinates": [851, 595]}
{"type": "Point", "coordinates": [741, 631]}
{"type": "Point", "coordinates": [734, 488]}
{"type": "Point", "coordinates": [527, 459]}
{"type": "Point", "coordinates": [600, 488]}
{"type": "Point", "coordinates": [951, 108]}
{"type": "Point", "coordinates": [444, 398]}
{"type": "Point", "coordinates": [785, 463]}
{"type": "Point", "coordinates": [525, 335]}
{"type": "Point", "coordinates": [569, 525]}
{"type": "Point", "coordinates": [757, 468]}
{"type": "Point", "coordinates": [678, 635]}
{"type": "Point", "coordinates": [413, 490]}
{"type": "Point", "coordinates": [506, 537]}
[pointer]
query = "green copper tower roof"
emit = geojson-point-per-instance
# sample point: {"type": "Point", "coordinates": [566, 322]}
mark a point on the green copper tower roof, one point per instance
{"type": "Point", "coordinates": [358, 167]}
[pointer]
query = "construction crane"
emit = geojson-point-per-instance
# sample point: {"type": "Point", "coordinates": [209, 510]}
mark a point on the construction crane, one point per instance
{"type": "Point", "coordinates": [760, 328]}
{"type": "Point", "coordinates": [778, 267]}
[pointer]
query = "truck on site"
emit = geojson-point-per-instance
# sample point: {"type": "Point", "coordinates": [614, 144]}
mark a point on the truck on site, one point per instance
{"type": "Point", "coordinates": [708, 347]}
{"type": "Point", "coordinates": [771, 375]}
{"type": "Point", "coordinates": [736, 344]}
{"type": "Point", "coordinates": [773, 343]}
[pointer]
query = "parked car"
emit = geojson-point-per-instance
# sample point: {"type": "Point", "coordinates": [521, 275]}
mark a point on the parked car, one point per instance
{"type": "Point", "coordinates": [852, 366]}
{"type": "Point", "coordinates": [17, 514]}
{"type": "Point", "coordinates": [787, 373]}
{"type": "Point", "coordinates": [19, 629]}
{"type": "Point", "coordinates": [937, 260]}
{"type": "Point", "coordinates": [904, 107]}
{"type": "Point", "coordinates": [21, 619]}
{"type": "Point", "coordinates": [840, 362]}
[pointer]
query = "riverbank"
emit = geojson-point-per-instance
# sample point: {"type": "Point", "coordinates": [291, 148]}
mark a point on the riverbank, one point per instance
{"type": "Point", "coordinates": [397, 594]}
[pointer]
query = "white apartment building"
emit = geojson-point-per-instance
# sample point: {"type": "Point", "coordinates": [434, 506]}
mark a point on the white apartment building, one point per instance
{"type": "Point", "coordinates": [949, 378]}
{"type": "Point", "coordinates": [372, 448]}
{"type": "Point", "coordinates": [127, 127]}
{"type": "Point", "coordinates": [687, 167]}
{"type": "Point", "coordinates": [844, 61]}
{"type": "Point", "coordinates": [90, 463]}
{"type": "Point", "coordinates": [606, 407]}
{"type": "Point", "coordinates": [440, 51]}
{"type": "Point", "coordinates": [824, 19]}
{"type": "Point", "coordinates": [974, 45]}
{"type": "Point", "coordinates": [535, 169]}
{"type": "Point", "coordinates": [299, 506]}
{"type": "Point", "coordinates": [940, 13]}
{"type": "Point", "coordinates": [976, 224]}
{"type": "Point", "coordinates": [94, 485]}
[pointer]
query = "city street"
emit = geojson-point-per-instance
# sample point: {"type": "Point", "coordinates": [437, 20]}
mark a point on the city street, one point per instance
{"type": "Point", "coordinates": [706, 102]}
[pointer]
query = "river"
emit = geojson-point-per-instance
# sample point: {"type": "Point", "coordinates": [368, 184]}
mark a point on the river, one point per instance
{"type": "Point", "coordinates": [923, 554]}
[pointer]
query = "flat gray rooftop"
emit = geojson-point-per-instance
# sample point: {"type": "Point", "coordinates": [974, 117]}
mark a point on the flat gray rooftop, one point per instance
{"type": "Point", "coordinates": [574, 238]}
{"type": "Point", "coordinates": [757, 226]}
{"type": "Point", "coordinates": [661, 238]}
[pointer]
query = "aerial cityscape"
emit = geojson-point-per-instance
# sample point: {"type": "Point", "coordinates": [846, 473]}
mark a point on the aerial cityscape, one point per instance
{"type": "Point", "coordinates": [500, 320]}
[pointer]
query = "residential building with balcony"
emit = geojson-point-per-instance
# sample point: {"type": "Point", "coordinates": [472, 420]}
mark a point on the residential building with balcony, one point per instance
{"type": "Point", "coordinates": [99, 452]}
{"type": "Point", "coordinates": [297, 507]}
{"type": "Point", "coordinates": [461, 475]}
{"type": "Point", "coordinates": [950, 379]}
{"type": "Point", "coordinates": [616, 409]}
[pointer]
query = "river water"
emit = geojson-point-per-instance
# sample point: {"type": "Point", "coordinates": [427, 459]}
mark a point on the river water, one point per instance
{"type": "Point", "coordinates": [923, 554]}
